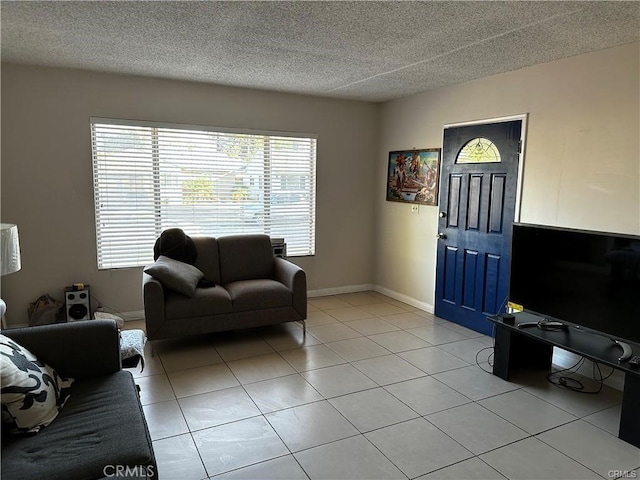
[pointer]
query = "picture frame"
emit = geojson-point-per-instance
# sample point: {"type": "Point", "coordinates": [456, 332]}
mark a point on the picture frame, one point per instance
{"type": "Point", "coordinates": [413, 176]}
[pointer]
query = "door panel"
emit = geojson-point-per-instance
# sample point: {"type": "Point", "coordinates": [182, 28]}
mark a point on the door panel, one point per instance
{"type": "Point", "coordinates": [473, 210]}
{"type": "Point", "coordinates": [496, 203]}
{"type": "Point", "coordinates": [492, 274]}
{"type": "Point", "coordinates": [478, 204]}
{"type": "Point", "coordinates": [454, 200]}
{"type": "Point", "coordinates": [451, 263]}
{"type": "Point", "coordinates": [469, 279]}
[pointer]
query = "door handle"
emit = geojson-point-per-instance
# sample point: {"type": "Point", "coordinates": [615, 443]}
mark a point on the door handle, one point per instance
{"type": "Point", "coordinates": [442, 214]}
{"type": "Point", "coordinates": [441, 236]}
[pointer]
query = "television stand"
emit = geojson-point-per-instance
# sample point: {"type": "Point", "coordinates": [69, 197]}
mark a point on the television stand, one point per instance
{"type": "Point", "coordinates": [533, 347]}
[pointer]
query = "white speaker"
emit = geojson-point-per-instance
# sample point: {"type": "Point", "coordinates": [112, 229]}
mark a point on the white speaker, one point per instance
{"type": "Point", "coordinates": [77, 303]}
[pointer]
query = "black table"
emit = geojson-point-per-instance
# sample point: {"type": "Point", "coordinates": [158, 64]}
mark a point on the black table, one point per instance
{"type": "Point", "coordinates": [533, 347]}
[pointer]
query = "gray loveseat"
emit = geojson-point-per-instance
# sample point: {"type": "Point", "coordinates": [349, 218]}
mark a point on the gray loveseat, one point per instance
{"type": "Point", "coordinates": [251, 288]}
{"type": "Point", "coordinates": [101, 428]}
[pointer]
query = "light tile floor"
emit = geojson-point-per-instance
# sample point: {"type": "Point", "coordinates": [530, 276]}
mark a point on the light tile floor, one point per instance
{"type": "Point", "coordinates": [376, 389]}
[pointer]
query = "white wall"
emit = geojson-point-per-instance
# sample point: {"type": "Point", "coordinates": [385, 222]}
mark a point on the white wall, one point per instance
{"type": "Point", "coordinates": [46, 185]}
{"type": "Point", "coordinates": [582, 164]}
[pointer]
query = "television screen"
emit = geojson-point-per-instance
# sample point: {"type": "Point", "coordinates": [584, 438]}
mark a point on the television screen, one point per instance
{"type": "Point", "coordinates": [588, 278]}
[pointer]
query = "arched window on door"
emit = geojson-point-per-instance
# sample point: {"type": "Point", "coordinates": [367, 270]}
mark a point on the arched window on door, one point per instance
{"type": "Point", "coordinates": [479, 150]}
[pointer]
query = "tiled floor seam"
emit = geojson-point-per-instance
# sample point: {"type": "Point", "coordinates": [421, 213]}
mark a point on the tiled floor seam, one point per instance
{"type": "Point", "coordinates": [204, 465]}
{"type": "Point", "coordinates": [218, 475]}
{"type": "Point", "coordinates": [564, 454]}
{"type": "Point", "coordinates": [582, 416]}
{"type": "Point", "coordinates": [205, 393]}
{"type": "Point", "coordinates": [474, 454]}
{"type": "Point", "coordinates": [423, 473]}
{"type": "Point", "coordinates": [555, 426]}
{"type": "Point", "coordinates": [597, 426]}
{"type": "Point", "coordinates": [291, 452]}
{"type": "Point", "coordinates": [385, 456]}
{"type": "Point", "coordinates": [197, 430]}
{"type": "Point", "coordinates": [465, 460]}
{"type": "Point", "coordinates": [538, 433]}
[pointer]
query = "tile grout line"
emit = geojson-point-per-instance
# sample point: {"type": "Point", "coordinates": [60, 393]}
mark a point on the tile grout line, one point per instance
{"type": "Point", "coordinates": [383, 387]}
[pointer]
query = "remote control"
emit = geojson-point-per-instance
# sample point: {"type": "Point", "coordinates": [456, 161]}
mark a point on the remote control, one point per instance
{"type": "Point", "coordinates": [527, 324]}
{"type": "Point", "coordinates": [551, 325]}
{"type": "Point", "coordinates": [634, 362]}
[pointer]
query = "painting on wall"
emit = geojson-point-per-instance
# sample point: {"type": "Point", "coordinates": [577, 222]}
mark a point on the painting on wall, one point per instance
{"type": "Point", "coordinates": [412, 176]}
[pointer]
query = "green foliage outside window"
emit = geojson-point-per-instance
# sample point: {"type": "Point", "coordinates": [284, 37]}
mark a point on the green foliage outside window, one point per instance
{"type": "Point", "coordinates": [197, 190]}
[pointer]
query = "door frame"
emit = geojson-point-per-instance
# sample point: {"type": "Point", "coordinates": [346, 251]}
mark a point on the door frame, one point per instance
{"type": "Point", "coordinates": [524, 117]}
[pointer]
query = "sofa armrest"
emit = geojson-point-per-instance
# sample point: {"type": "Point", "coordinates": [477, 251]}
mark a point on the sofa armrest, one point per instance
{"type": "Point", "coordinates": [153, 297]}
{"type": "Point", "coordinates": [295, 278]}
{"type": "Point", "coordinates": [83, 349]}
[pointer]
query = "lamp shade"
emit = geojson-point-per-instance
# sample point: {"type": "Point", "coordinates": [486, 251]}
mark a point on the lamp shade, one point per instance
{"type": "Point", "coordinates": [9, 249]}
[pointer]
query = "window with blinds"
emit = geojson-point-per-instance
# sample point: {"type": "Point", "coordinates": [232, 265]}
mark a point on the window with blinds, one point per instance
{"type": "Point", "coordinates": [149, 177]}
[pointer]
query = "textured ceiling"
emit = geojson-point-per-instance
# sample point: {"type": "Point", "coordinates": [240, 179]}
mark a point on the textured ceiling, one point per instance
{"type": "Point", "coordinates": [372, 51]}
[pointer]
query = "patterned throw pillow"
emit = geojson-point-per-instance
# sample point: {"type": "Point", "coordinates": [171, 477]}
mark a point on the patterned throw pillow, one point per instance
{"type": "Point", "coordinates": [32, 392]}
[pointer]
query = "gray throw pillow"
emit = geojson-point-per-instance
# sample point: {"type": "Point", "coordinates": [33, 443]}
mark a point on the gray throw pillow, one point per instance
{"type": "Point", "coordinates": [178, 276]}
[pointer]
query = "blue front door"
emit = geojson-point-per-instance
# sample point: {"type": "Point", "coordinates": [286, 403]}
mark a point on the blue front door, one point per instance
{"type": "Point", "coordinates": [477, 204]}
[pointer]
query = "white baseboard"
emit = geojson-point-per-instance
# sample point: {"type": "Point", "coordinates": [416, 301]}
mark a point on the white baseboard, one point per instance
{"type": "Point", "coordinates": [371, 287]}
{"type": "Point", "coordinates": [126, 316]}
{"type": "Point", "coordinates": [404, 298]}
{"type": "Point", "coordinates": [132, 316]}
{"type": "Point", "coordinates": [339, 290]}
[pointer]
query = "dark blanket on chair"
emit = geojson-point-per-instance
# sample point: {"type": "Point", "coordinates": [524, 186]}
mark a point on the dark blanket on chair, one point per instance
{"type": "Point", "coordinates": [174, 243]}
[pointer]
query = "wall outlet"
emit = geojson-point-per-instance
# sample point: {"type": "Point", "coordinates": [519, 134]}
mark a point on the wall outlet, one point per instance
{"type": "Point", "coordinates": [415, 209]}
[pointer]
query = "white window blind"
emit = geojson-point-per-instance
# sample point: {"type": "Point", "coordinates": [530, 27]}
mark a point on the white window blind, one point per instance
{"type": "Point", "coordinates": [149, 177]}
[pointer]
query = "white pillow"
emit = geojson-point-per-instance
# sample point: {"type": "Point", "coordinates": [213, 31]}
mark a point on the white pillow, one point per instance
{"type": "Point", "coordinates": [32, 392]}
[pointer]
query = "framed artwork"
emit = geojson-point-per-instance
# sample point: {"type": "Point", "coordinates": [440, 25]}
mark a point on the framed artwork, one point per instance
{"type": "Point", "coordinates": [413, 175]}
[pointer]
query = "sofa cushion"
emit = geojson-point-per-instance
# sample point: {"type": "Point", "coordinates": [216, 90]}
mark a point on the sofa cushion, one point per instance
{"type": "Point", "coordinates": [205, 301]}
{"type": "Point", "coordinates": [32, 392]}
{"type": "Point", "coordinates": [175, 275]}
{"type": "Point", "coordinates": [87, 436]}
{"type": "Point", "coordinates": [258, 295]}
{"type": "Point", "coordinates": [245, 257]}
{"type": "Point", "coordinates": [207, 261]}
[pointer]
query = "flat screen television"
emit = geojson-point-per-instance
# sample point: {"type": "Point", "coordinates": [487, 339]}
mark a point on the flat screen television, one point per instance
{"type": "Point", "coordinates": [591, 279]}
